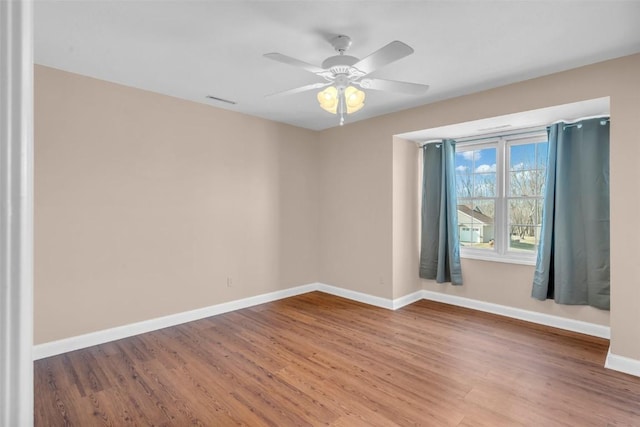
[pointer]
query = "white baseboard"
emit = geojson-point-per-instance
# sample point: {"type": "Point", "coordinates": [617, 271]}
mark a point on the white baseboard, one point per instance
{"type": "Point", "coordinates": [356, 296]}
{"type": "Point", "coordinates": [518, 313]}
{"type": "Point", "coordinates": [53, 348]}
{"type": "Point", "coordinates": [407, 299]}
{"type": "Point", "coordinates": [389, 304]}
{"type": "Point", "coordinates": [622, 364]}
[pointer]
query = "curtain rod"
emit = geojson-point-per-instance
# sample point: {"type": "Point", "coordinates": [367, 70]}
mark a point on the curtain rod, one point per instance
{"type": "Point", "coordinates": [574, 121]}
{"type": "Point", "coordinates": [603, 120]}
{"type": "Point", "coordinates": [524, 131]}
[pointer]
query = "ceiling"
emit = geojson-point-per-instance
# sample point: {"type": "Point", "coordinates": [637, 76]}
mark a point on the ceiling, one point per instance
{"type": "Point", "coordinates": [191, 49]}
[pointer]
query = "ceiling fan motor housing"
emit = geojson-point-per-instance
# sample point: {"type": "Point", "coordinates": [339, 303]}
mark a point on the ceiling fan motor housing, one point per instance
{"type": "Point", "coordinates": [339, 64]}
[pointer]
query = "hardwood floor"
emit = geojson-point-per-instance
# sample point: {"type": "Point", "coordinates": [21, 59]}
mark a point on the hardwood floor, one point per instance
{"type": "Point", "coordinates": [317, 359]}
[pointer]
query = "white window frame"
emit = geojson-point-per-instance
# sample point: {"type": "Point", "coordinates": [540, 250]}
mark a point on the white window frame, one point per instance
{"type": "Point", "coordinates": [500, 251]}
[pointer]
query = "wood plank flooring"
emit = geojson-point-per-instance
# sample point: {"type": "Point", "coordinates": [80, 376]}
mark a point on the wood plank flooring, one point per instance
{"type": "Point", "coordinates": [317, 359]}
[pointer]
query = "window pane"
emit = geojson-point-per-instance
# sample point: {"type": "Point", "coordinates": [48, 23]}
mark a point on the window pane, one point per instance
{"type": "Point", "coordinates": [541, 154]}
{"type": "Point", "coordinates": [541, 177]}
{"type": "Point", "coordinates": [523, 183]}
{"type": "Point", "coordinates": [524, 224]}
{"type": "Point", "coordinates": [527, 164]}
{"type": "Point", "coordinates": [522, 157]}
{"type": "Point", "coordinates": [486, 208]}
{"type": "Point", "coordinates": [484, 160]}
{"type": "Point", "coordinates": [484, 185]}
{"type": "Point", "coordinates": [524, 239]}
{"type": "Point", "coordinates": [476, 173]}
{"type": "Point", "coordinates": [475, 223]}
{"type": "Point", "coordinates": [464, 185]}
{"type": "Point", "coordinates": [464, 161]}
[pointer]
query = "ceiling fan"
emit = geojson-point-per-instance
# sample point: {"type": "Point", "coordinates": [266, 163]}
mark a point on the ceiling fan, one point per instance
{"type": "Point", "coordinates": [344, 74]}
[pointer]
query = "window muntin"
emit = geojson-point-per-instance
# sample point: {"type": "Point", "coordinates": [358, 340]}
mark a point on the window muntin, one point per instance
{"type": "Point", "coordinates": [500, 185]}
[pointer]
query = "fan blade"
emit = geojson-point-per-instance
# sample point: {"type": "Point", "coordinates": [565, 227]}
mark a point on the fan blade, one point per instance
{"type": "Point", "coordinates": [394, 86]}
{"type": "Point", "coordinates": [383, 56]}
{"type": "Point", "coordinates": [301, 89]}
{"type": "Point", "coordinates": [295, 62]}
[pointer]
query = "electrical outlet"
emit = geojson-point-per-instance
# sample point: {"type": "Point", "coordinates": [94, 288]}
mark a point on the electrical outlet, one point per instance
{"type": "Point", "coordinates": [229, 282]}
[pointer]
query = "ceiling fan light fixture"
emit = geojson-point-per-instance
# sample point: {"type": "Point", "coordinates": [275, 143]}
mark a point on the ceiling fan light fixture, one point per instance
{"type": "Point", "coordinates": [354, 99]}
{"type": "Point", "coordinates": [328, 99]}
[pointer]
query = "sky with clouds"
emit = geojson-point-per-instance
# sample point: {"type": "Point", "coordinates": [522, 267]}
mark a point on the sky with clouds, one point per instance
{"type": "Point", "coordinates": [484, 160]}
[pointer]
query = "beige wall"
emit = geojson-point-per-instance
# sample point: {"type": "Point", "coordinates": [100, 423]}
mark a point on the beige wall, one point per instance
{"type": "Point", "coordinates": [355, 209]}
{"type": "Point", "coordinates": [362, 217]}
{"type": "Point", "coordinates": [407, 197]}
{"type": "Point", "coordinates": [145, 204]}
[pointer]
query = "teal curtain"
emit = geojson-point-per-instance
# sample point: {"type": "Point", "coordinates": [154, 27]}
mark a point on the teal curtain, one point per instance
{"type": "Point", "coordinates": [440, 246]}
{"type": "Point", "coordinates": [573, 256]}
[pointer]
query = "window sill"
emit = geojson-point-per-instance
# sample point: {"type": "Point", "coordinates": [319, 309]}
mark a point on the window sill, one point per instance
{"type": "Point", "coordinates": [499, 258]}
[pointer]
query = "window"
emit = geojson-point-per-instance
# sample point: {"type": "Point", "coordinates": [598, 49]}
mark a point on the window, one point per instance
{"type": "Point", "coordinates": [499, 185]}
